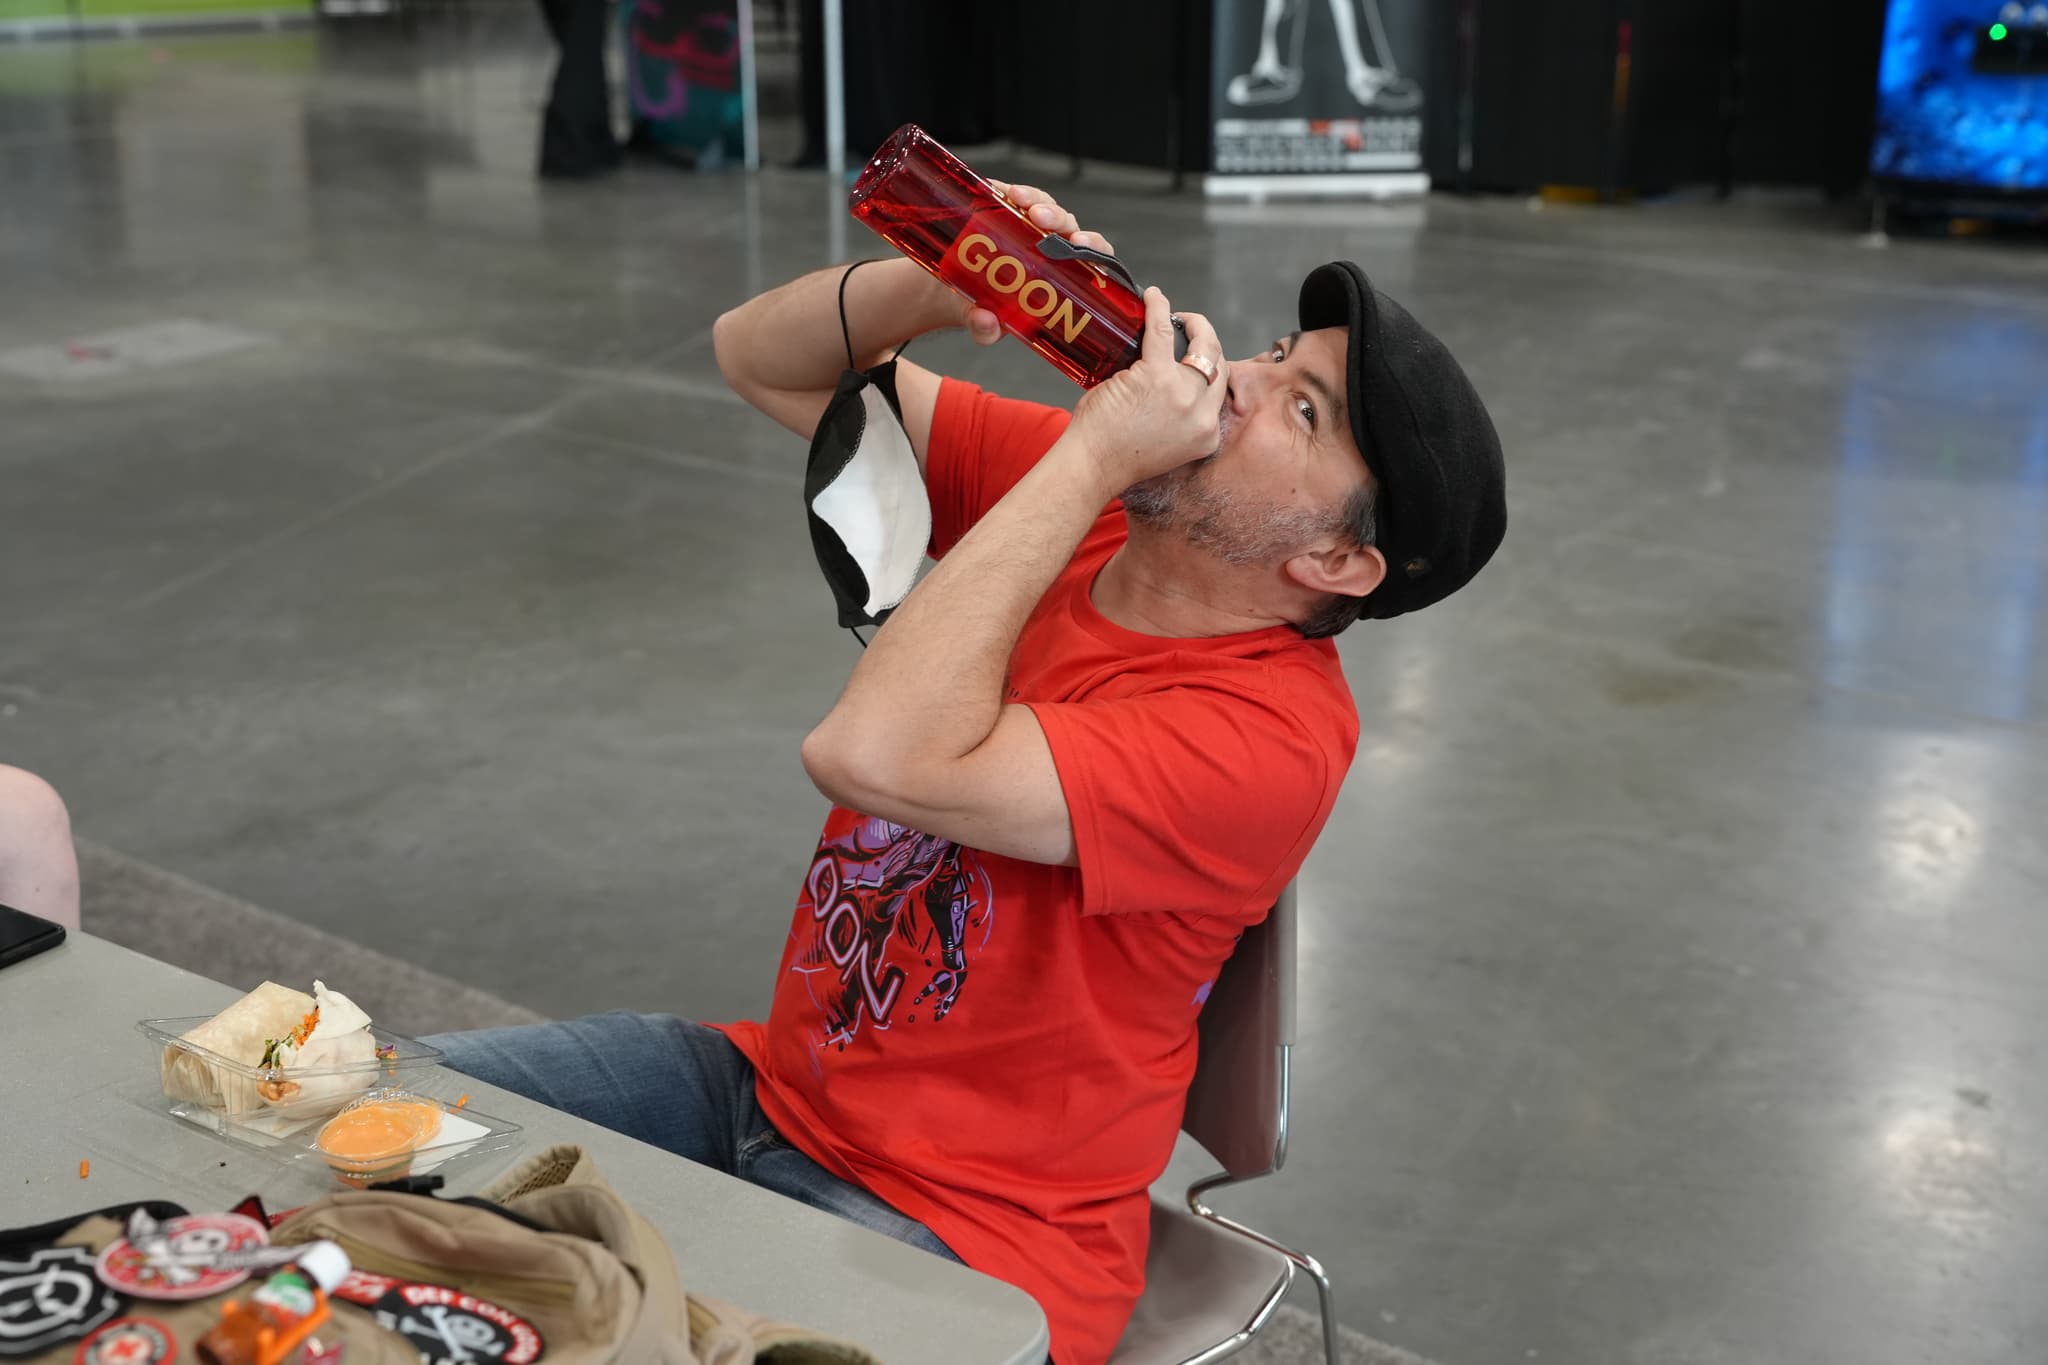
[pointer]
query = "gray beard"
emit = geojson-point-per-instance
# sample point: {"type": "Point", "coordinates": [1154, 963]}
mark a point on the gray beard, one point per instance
{"type": "Point", "coordinates": [1233, 529]}
{"type": "Point", "coordinates": [1154, 502]}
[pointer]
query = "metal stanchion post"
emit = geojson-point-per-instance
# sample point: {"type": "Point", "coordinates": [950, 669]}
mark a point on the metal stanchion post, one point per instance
{"type": "Point", "coordinates": [835, 89]}
{"type": "Point", "coordinates": [750, 98]}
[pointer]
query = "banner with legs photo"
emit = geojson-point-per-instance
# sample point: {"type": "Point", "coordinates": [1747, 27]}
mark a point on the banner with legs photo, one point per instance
{"type": "Point", "coordinates": [1317, 97]}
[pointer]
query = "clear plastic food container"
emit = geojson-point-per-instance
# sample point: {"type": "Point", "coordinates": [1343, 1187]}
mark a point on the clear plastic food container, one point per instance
{"type": "Point", "coordinates": [199, 1083]}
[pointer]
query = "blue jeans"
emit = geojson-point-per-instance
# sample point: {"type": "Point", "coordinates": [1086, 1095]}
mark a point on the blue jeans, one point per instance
{"type": "Point", "coordinates": [677, 1085]}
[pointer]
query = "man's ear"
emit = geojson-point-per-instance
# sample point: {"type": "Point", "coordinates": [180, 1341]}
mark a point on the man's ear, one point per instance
{"type": "Point", "coordinates": [1346, 570]}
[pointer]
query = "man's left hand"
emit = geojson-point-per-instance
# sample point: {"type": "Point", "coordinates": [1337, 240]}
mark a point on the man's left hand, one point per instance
{"type": "Point", "coordinates": [1160, 413]}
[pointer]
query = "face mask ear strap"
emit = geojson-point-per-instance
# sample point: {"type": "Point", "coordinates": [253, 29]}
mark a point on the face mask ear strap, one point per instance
{"type": "Point", "coordinates": [846, 332]}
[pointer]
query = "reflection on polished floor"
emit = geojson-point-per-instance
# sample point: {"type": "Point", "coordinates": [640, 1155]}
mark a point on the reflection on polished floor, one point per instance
{"type": "Point", "coordinates": [1676, 983]}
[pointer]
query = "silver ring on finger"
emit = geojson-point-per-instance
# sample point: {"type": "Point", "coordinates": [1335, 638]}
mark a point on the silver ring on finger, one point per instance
{"type": "Point", "coordinates": [1201, 365]}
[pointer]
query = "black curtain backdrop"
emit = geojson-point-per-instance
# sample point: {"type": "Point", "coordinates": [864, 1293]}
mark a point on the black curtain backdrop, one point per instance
{"type": "Point", "coordinates": [1759, 91]}
{"type": "Point", "coordinates": [1134, 89]}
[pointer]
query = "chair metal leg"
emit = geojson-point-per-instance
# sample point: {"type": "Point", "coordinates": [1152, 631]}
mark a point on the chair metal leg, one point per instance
{"type": "Point", "coordinates": [1243, 1336]}
{"type": "Point", "coordinates": [1325, 1296]}
{"type": "Point", "coordinates": [1328, 1301]}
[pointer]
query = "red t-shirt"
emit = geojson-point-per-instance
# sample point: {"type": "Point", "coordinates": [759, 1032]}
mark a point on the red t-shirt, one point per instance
{"type": "Point", "coordinates": [1002, 1049]}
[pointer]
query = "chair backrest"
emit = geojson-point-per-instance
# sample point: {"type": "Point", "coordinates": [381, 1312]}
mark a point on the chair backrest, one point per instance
{"type": "Point", "coordinates": [1237, 1105]}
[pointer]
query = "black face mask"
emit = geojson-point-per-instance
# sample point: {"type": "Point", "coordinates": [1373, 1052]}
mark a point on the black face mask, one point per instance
{"type": "Point", "coordinates": [871, 520]}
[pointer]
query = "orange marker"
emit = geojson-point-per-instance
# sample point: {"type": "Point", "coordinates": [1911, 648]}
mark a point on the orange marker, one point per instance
{"type": "Point", "coordinates": [84, 1169]}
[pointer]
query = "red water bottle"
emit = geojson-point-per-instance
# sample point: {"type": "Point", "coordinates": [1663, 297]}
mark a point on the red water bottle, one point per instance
{"type": "Point", "coordinates": [1077, 307]}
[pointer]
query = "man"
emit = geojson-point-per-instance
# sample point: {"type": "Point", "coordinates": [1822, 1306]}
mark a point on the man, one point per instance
{"type": "Point", "coordinates": [1090, 748]}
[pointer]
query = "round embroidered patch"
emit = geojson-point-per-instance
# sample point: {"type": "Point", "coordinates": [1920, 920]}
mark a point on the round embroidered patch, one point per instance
{"type": "Point", "coordinates": [193, 1256]}
{"type": "Point", "coordinates": [128, 1341]}
{"type": "Point", "coordinates": [446, 1326]}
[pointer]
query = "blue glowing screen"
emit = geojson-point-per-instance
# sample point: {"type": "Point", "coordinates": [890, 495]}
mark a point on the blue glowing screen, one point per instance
{"type": "Point", "coordinates": [1956, 106]}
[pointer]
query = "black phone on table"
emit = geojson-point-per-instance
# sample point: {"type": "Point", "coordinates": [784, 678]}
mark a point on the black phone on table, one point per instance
{"type": "Point", "coordinates": [24, 935]}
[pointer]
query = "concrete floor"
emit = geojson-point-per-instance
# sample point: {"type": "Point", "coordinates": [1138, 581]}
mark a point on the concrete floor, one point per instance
{"type": "Point", "coordinates": [1675, 981]}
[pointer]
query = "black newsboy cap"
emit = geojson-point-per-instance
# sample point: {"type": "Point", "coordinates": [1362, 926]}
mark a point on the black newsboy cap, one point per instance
{"type": "Point", "coordinates": [1425, 435]}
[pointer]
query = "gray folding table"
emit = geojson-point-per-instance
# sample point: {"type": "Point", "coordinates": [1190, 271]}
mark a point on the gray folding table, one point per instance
{"type": "Point", "coordinates": [77, 1083]}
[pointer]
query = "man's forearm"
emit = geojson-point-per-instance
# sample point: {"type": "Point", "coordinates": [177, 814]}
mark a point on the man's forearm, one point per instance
{"type": "Point", "coordinates": [788, 339]}
{"type": "Point", "coordinates": [929, 689]}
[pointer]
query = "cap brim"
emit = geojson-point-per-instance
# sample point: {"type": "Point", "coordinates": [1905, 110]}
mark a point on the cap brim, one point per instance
{"type": "Point", "coordinates": [1339, 295]}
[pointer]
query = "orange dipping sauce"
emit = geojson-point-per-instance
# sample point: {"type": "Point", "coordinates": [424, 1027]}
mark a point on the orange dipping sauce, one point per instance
{"type": "Point", "coordinates": [375, 1140]}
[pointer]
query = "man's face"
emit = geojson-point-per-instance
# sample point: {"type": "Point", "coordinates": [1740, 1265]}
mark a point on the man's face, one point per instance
{"type": "Point", "coordinates": [1284, 465]}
